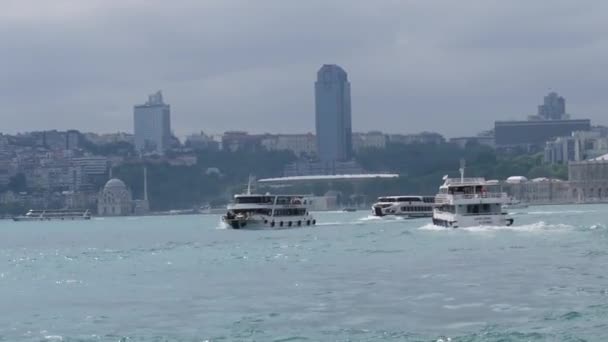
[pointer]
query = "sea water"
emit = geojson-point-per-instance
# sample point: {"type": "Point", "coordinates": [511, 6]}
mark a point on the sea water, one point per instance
{"type": "Point", "coordinates": [351, 278]}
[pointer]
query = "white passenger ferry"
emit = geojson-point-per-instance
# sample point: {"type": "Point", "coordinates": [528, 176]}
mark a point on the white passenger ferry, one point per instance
{"type": "Point", "coordinates": [468, 202]}
{"type": "Point", "coordinates": [250, 211]}
{"type": "Point", "coordinates": [54, 215]}
{"type": "Point", "coordinates": [405, 206]}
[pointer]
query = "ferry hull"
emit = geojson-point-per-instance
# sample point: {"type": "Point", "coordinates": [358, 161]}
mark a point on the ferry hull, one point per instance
{"type": "Point", "coordinates": [378, 212]}
{"type": "Point", "coordinates": [25, 219]}
{"type": "Point", "coordinates": [267, 222]}
{"type": "Point", "coordinates": [461, 221]}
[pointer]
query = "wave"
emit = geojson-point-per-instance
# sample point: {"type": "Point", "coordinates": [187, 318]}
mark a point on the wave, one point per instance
{"type": "Point", "coordinates": [561, 212]}
{"type": "Point", "coordinates": [385, 218]}
{"type": "Point", "coordinates": [597, 226]}
{"type": "Point", "coordinates": [533, 227]}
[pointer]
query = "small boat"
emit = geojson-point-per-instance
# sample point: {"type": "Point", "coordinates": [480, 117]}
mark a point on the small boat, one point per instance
{"type": "Point", "coordinates": [54, 215]}
{"type": "Point", "coordinates": [514, 204]}
{"type": "Point", "coordinates": [405, 206]}
{"type": "Point", "coordinates": [469, 202]}
{"type": "Point", "coordinates": [349, 210]}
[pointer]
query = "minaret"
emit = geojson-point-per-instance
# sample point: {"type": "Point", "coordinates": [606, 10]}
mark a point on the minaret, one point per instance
{"type": "Point", "coordinates": [145, 183]}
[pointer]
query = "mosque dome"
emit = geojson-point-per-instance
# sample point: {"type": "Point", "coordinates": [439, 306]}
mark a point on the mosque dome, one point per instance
{"type": "Point", "coordinates": [115, 184]}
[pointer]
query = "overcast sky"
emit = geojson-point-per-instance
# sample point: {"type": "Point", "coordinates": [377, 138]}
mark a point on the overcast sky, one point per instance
{"type": "Point", "coordinates": [414, 65]}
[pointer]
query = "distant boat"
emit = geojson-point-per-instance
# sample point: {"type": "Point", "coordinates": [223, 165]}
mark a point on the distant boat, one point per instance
{"type": "Point", "coordinates": [405, 206]}
{"type": "Point", "coordinates": [54, 215]}
{"type": "Point", "coordinates": [349, 210]}
{"type": "Point", "coordinates": [514, 204]}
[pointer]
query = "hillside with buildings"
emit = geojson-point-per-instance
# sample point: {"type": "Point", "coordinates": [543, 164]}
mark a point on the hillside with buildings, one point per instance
{"type": "Point", "coordinates": [548, 158]}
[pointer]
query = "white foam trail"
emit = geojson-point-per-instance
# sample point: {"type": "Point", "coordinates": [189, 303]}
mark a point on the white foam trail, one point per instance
{"type": "Point", "coordinates": [370, 218]}
{"type": "Point", "coordinates": [382, 219]}
{"type": "Point", "coordinates": [324, 224]}
{"type": "Point", "coordinates": [561, 212]}
{"type": "Point", "coordinates": [463, 306]}
{"type": "Point", "coordinates": [431, 226]}
{"type": "Point", "coordinates": [533, 227]}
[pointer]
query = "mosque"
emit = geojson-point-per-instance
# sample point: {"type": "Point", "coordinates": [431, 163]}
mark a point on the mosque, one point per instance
{"type": "Point", "coordinates": [115, 199]}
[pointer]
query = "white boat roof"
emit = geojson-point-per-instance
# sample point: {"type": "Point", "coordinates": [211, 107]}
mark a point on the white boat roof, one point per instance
{"type": "Point", "coordinates": [330, 177]}
{"type": "Point", "coordinates": [404, 196]}
{"type": "Point", "coordinates": [269, 195]}
{"type": "Point", "coordinates": [465, 182]}
{"type": "Point", "coordinates": [600, 158]}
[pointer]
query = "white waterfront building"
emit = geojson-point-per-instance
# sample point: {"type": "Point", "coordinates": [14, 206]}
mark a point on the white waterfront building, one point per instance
{"type": "Point", "coordinates": [369, 140]}
{"type": "Point", "coordinates": [299, 144]}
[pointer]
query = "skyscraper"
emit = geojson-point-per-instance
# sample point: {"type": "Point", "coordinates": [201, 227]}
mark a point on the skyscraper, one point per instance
{"type": "Point", "coordinates": [553, 108]}
{"type": "Point", "coordinates": [152, 125]}
{"type": "Point", "coordinates": [333, 114]}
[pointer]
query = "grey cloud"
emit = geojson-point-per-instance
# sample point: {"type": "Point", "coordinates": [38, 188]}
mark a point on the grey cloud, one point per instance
{"type": "Point", "coordinates": [453, 67]}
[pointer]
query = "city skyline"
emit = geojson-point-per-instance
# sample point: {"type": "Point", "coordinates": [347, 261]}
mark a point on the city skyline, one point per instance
{"type": "Point", "coordinates": [82, 65]}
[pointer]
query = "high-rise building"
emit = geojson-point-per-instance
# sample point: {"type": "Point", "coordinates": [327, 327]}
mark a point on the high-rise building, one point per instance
{"type": "Point", "coordinates": [152, 125]}
{"type": "Point", "coordinates": [333, 114]}
{"type": "Point", "coordinates": [553, 108]}
{"type": "Point", "coordinates": [72, 140]}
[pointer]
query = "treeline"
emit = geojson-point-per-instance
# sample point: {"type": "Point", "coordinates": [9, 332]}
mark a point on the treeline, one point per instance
{"type": "Point", "coordinates": [215, 177]}
{"type": "Point", "coordinates": [421, 168]}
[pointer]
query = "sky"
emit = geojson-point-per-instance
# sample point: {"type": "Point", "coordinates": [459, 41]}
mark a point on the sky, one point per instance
{"type": "Point", "coordinates": [447, 66]}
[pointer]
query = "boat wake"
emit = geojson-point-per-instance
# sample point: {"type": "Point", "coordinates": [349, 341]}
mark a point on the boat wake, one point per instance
{"type": "Point", "coordinates": [380, 219]}
{"type": "Point", "coordinates": [540, 226]}
{"type": "Point", "coordinates": [598, 226]}
{"type": "Point", "coordinates": [561, 212]}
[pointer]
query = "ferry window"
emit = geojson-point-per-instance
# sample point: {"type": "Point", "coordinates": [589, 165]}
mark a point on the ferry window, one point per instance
{"type": "Point", "coordinates": [408, 199]}
{"type": "Point", "coordinates": [473, 209]}
{"type": "Point", "coordinates": [248, 200]}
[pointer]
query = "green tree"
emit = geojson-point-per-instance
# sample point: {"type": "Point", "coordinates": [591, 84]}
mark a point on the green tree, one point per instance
{"type": "Point", "coordinates": [17, 183]}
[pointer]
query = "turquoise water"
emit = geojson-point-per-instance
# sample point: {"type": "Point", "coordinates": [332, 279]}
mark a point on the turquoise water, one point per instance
{"type": "Point", "coordinates": [352, 278]}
